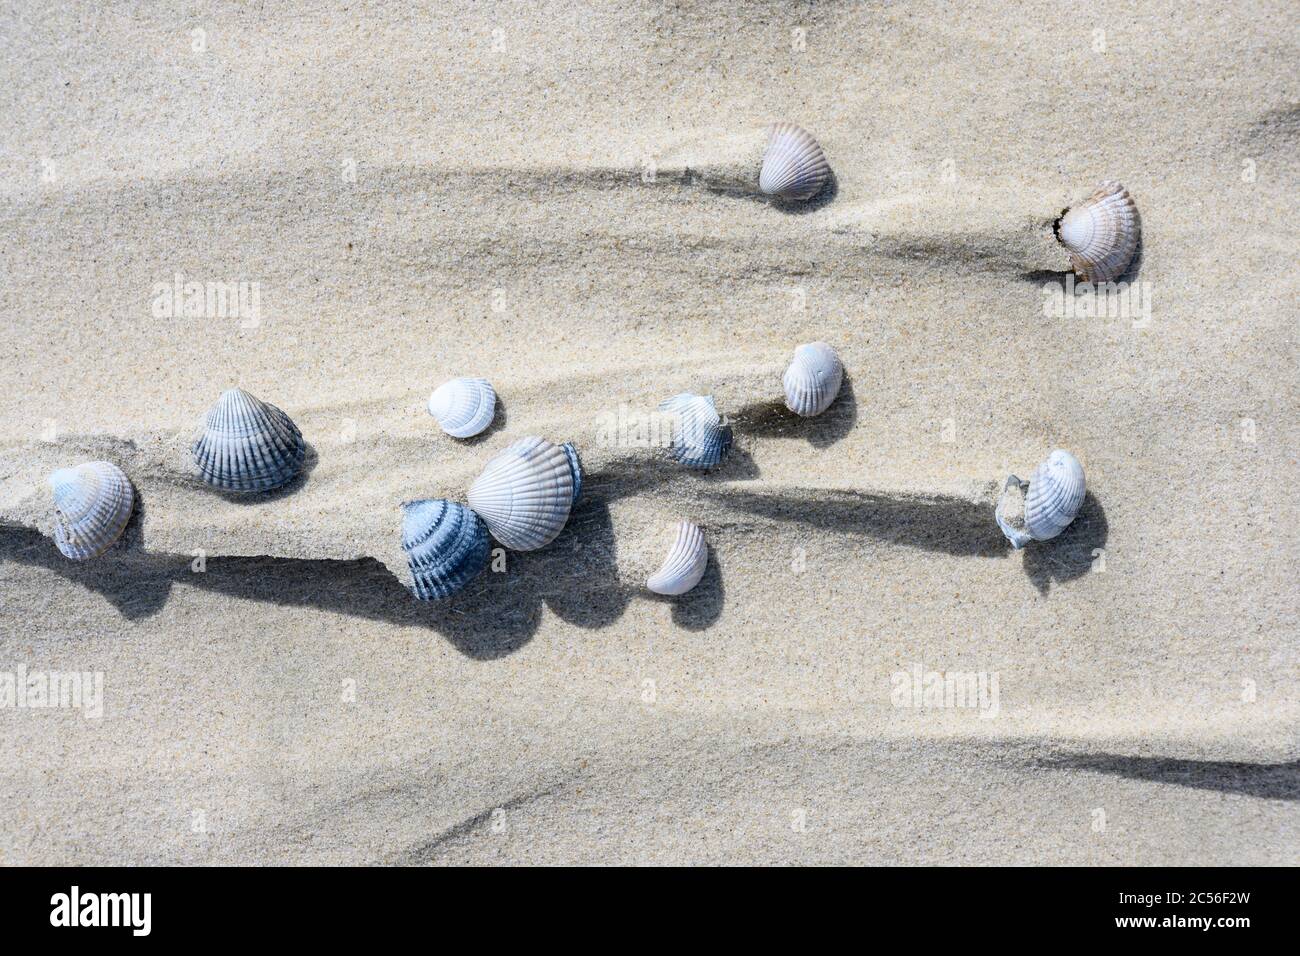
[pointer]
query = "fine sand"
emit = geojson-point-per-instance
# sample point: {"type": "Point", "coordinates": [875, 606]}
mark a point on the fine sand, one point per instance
{"type": "Point", "coordinates": [561, 198]}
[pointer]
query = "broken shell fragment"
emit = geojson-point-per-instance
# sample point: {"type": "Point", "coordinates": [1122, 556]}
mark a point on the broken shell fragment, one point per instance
{"type": "Point", "coordinates": [1052, 497]}
{"type": "Point", "coordinates": [1101, 233]}
{"type": "Point", "coordinates": [92, 505]}
{"type": "Point", "coordinates": [685, 564]}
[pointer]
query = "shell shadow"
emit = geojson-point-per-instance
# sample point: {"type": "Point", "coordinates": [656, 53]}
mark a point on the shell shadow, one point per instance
{"type": "Point", "coordinates": [773, 419]}
{"type": "Point", "coordinates": [643, 473]}
{"type": "Point", "coordinates": [577, 574]}
{"type": "Point", "coordinates": [309, 462]}
{"type": "Point", "coordinates": [701, 606]}
{"type": "Point", "coordinates": [932, 523]}
{"type": "Point", "coordinates": [1070, 554]}
{"type": "Point", "coordinates": [1269, 781]}
{"type": "Point", "coordinates": [499, 418]}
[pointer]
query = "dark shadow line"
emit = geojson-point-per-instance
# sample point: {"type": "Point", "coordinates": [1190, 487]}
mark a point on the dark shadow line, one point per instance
{"type": "Point", "coordinates": [1270, 781]}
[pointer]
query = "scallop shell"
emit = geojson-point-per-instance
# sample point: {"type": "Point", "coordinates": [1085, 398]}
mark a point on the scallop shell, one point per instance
{"type": "Point", "coordinates": [92, 505]}
{"type": "Point", "coordinates": [463, 406]}
{"type": "Point", "coordinates": [794, 166]}
{"type": "Point", "coordinates": [446, 545]}
{"type": "Point", "coordinates": [1101, 233]}
{"type": "Point", "coordinates": [247, 445]}
{"type": "Point", "coordinates": [813, 379]}
{"type": "Point", "coordinates": [575, 468]}
{"type": "Point", "coordinates": [700, 439]}
{"type": "Point", "coordinates": [685, 563]}
{"type": "Point", "coordinates": [525, 493]}
{"type": "Point", "coordinates": [1053, 496]}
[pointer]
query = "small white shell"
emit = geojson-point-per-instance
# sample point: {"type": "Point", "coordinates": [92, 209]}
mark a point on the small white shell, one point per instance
{"type": "Point", "coordinates": [92, 505]}
{"type": "Point", "coordinates": [247, 445]}
{"type": "Point", "coordinates": [1101, 233]}
{"type": "Point", "coordinates": [794, 166]}
{"type": "Point", "coordinates": [1053, 495]}
{"type": "Point", "coordinates": [813, 379]}
{"type": "Point", "coordinates": [463, 406]}
{"type": "Point", "coordinates": [524, 494]}
{"type": "Point", "coordinates": [700, 439]}
{"type": "Point", "coordinates": [685, 564]}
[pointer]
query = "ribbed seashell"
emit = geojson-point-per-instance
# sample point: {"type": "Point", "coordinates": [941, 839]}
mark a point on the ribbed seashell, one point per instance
{"type": "Point", "coordinates": [446, 545]}
{"type": "Point", "coordinates": [248, 445]}
{"type": "Point", "coordinates": [813, 379]}
{"type": "Point", "coordinates": [525, 493]}
{"type": "Point", "coordinates": [685, 563]}
{"type": "Point", "coordinates": [575, 467]}
{"type": "Point", "coordinates": [1101, 233]}
{"type": "Point", "coordinates": [794, 166]}
{"type": "Point", "coordinates": [700, 439]}
{"type": "Point", "coordinates": [1053, 495]}
{"type": "Point", "coordinates": [92, 505]}
{"type": "Point", "coordinates": [463, 406]}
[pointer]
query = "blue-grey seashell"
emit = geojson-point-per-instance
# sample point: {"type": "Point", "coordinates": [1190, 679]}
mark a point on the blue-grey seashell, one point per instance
{"type": "Point", "coordinates": [446, 545]}
{"type": "Point", "coordinates": [92, 505]}
{"type": "Point", "coordinates": [700, 439]}
{"type": "Point", "coordinates": [248, 445]}
{"type": "Point", "coordinates": [575, 466]}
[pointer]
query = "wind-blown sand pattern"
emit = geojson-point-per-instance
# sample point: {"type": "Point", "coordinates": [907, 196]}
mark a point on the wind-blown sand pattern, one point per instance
{"type": "Point", "coordinates": [561, 199]}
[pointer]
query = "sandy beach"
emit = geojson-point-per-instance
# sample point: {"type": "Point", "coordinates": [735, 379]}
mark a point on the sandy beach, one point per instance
{"type": "Point", "coordinates": [561, 198]}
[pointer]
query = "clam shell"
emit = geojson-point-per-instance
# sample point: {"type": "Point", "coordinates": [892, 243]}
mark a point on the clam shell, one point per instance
{"type": "Point", "coordinates": [813, 379]}
{"type": "Point", "coordinates": [1053, 496]}
{"type": "Point", "coordinates": [247, 445]}
{"type": "Point", "coordinates": [1101, 233]}
{"type": "Point", "coordinates": [525, 493]}
{"type": "Point", "coordinates": [700, 439]}
{"type": "Point", "coordinates": [685, 563]}
{"type": "Point", "coordinates": [463, 406]}
{"type": "Point", "coordinates": [446, 545]}
{"type": "Point", "coordinates": [92, 505]}
{"type": "Point", "coordinates": [794, 166]}
{"type": "Point", "coordinates": [575, 468]}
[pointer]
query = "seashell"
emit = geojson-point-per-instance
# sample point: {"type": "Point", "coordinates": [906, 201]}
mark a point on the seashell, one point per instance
{"type": "Point", "coordinates": [1101, 233]}
{"type": "Point", "coordinates": [525, 493]}
{"type": "Point", "coordinates": [685, 564]}
{"type": "Point", "coordinates": [463, 406]}
{"type": "Point", "coordinates": [247, 445]}
{"type": "Point", "coordinates": [575, 467]}
{"type": "Point", "coordinates": [813, 379]}
{"type": "Point", "coordinates": [794, 166]}
{"type": "Point", "coordinates": [92, 505]}
{"type": "Point", "coordinates": [700, 439]}
{"type": "Point", "coordinates": [446, 545]}
{"type": "Point", "coordinates": [1052, 497]}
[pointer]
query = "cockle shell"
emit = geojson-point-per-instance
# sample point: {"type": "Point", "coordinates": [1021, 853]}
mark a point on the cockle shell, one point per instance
{"type": "Point", "coordinates": [685, 563]}
{"type": "Point", "coordinates": [446, 545]}
{"type": "Point", "coordinates": [700, 439]}
{"type": "Point", "coordinates": [1053, 495]}
{"type": "Point", "coordinates": [1101, 233]}
{"type": "Point", "coordinates": [794, 166]}
{"type": "Point", "coordinates": [813, 379]}
{"type": "Point", "coordinates": [248, 445]}
{"type": "Point", "coordinates": [463, 406]}
{"type": "Point", "coordinates": [575, 467]}
{"type": "Point", "coordinates": [524, 494]}
{"type": "Point", "coordinates": [92, 505]}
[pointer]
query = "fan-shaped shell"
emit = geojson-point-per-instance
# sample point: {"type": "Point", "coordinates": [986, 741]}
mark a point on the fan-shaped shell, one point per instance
{"type": "Point", "coordinates": [813, 379]}
{"type": "Point", "coordinates": [92, 505]}
{"type": "Point", "coordinates": [446, 545]}
{"type": "Point", "coordinates": [248, 445]}
{"type": "Point", "coordinates": [575, 468]}
{"type": "Point", "coordinates": [1053, 496]}
{"type": "Point", "coordinates": [525, 493]}
{"type": "Point", "coordinates": [794, 166]}
{"type": "Point", "coordinates": [700, 439]}
{"type": "Point", "coordinates": [1101, 233]}
{"type": "Point", "coordinates": [685, 563]}
{"type": "Point", "coordinates": [463, 406]}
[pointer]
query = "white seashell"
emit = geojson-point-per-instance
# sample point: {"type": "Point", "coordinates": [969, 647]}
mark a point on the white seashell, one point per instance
{"type": "Point", "coordinates": [446, 545]}
{"type": "Point", "coordinates": [248, 445]}
{"type": "Point", "coordinates": [813, 379]}
{"type": "Point", "coordinates": [463, 406]}
{"type": "Point", "coordinates": [1101, 233]}
{"type": "Point", "coordinates": [700, 439]}
{"type": "Point", "coordinates": [685, 564]}
{"type": "Point", "coordinates": [92, 505]}
{"type": "Point", "coordinates": [525, 493]}
{"type": "Point", "coordinates": [794, 166]}
{"type": "Point", "coordinates": [1053, 495]}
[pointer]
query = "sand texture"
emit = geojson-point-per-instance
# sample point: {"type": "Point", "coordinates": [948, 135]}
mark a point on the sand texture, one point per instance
{"type": "Point", "coordinates": [561, 198]}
